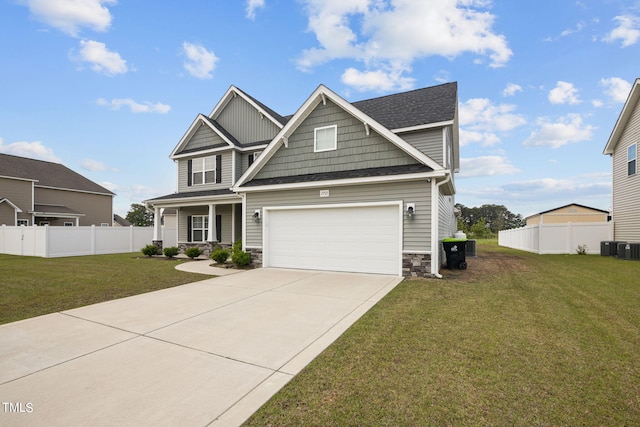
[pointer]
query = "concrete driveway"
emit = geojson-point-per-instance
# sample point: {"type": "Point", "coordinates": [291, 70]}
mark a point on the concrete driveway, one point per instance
{"type": "Point", "coordinates": [206, 353]}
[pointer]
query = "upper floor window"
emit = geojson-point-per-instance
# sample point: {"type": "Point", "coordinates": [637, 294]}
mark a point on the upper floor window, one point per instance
{"type": "Point", "coordinates": [23, 222]}
{"type": "Point", "coordinates": [204, 170]}
{"type": "Point", "coordinates": [253, 157]}
{"type": "Point", "coordinates": [325, 138]}
{"type": "Point", "coordinates": [631, 159]}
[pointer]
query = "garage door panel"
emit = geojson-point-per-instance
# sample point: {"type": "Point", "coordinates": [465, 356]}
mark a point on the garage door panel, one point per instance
{"type": "Point", "coordinates": [359, 239]}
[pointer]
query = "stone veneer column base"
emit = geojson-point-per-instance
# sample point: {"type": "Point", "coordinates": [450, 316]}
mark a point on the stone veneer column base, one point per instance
{"type": "Point", "coordinates": [256, 257]}
{"type": "Point", "coordinates": [158, 244]}
{"type": "Point", "coordinates": [416, 265]}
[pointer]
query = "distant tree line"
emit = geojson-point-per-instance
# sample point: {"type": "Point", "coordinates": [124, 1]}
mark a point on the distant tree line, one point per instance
{"type": "Point", "coordinates": [485, 221]}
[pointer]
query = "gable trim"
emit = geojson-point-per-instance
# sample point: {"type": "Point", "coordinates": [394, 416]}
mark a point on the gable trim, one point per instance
{"type": "Point", "coordinates": [10, 203]}
{"type": "Point", "coordinates": [423, 127]}
{"type": "Point", "coordinates": [624, 117]}
{"type": "Point", "coordinates": [321, 94]}
{"type": "Point", "coordinates": [231, 93]}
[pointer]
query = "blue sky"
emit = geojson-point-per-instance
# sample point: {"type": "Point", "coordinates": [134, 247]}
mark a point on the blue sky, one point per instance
{"type": "Point", "coordinates": [109, 87]}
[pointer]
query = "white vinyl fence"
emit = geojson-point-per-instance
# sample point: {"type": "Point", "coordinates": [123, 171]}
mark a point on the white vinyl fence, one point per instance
{"type": "Point", "coordinates": [558, 238]}
{"type": "Point", "coordinates": [51, 242]}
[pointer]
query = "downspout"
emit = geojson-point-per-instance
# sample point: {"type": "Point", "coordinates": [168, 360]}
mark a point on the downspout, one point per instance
{"type": "Point", "coordinates": [435, 241]}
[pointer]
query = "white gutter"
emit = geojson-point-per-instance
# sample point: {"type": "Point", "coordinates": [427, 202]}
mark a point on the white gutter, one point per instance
{"type": "Point", "coordinates": [435, 244]}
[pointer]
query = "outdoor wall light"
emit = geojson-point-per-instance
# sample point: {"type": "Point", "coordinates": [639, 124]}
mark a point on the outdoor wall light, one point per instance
{"type": "Point", "coordinates": [411, 210]}
{"type": "Point", "coordinates": [256, 215]}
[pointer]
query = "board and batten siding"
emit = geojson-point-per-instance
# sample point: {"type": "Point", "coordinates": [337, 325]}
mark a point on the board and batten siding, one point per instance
{"type": "Point", "coordinates": [355, 150]}
{"type": "Point", "coordinates": [223, 210]}
{"type": "Point", "coordinates": [227, 171]}
{"type": "Point", "coordinates": [245, 123]}
{"type": "Point", "coordinates": [430, 142]}
{"type": "Point", "coordinates": [204, 137]}
{"type": "Point", "coordinates": [416, 231]}
{"type": "Point", "coordinates": [626, 189]}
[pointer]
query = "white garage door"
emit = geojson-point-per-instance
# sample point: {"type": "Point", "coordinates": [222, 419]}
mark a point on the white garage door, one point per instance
{"type": "Point", "coordinates": [356, 239]}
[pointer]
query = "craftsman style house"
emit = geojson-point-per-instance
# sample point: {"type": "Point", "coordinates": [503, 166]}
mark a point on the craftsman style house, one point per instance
{"type": "Point", "coordinates": [623, 149]}
{"type": "Point", "coordinates": [366, 186]}
{"type": "Point", "coordinates": [35, 192]}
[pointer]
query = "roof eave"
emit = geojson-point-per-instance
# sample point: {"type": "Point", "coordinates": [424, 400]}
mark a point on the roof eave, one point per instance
{"type": "Point", "coordinates": [623, 118]}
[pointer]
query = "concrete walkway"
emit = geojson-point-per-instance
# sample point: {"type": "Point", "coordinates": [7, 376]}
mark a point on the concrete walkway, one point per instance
{"type": "Point", "coordinates": [206, 353]}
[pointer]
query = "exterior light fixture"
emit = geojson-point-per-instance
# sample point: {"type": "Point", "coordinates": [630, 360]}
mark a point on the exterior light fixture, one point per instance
{"type": "Point", "coordinates": [256, 215]}
{"type": "Point", "coordinates": [411, 210]}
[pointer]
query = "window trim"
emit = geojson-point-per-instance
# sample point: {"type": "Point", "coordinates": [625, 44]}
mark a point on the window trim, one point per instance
{"type": "Point", "coordinates": [68, 224]}
{"type": "Point", "coordinates": [24, 221]}
{"type": "Point", "coordinates": [204, 228]}
{"type": "Point", "coordinates": [335, 138]}
{"type": "Point", "coordinates": [202, 162]}
{"type": "Point", "coordinates": [632, 161]}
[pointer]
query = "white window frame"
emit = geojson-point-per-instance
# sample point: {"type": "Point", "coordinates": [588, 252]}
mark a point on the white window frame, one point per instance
{"type": "Point", "coordinates": [68, 224]}
{"type": "Point", "coordinates": [205, 166]}
{"type": "Point", "coordinates": [204, 228]}
{"type": "Point", "coordinates": [633, 159]}
{"type": "Point", "coordinates": [105, 224]}
{"type": "Point", "coordinates": [324, 130]}
{"type": "Point", "coordinates": [24, 222]}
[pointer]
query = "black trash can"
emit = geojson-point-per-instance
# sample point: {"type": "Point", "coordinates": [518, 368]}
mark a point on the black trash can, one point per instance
{"type": "Point", "coordinates": [455, 249]}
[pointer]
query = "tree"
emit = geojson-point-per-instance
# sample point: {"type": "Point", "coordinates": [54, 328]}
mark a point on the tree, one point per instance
{"type": "Point", "coordinates": [139, 215]}
{"type": "Point", "coordinates": [496, 218]}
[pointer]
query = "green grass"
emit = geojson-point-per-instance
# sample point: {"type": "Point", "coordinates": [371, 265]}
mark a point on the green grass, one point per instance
{"type": "Point", "coordinates": [32, 286]}
{"type": "Point", "coordinates": [517, 339]}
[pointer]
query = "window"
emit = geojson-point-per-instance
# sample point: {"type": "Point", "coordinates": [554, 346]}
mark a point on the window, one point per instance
{"type": "Point", "coordinates": [631, 160]}
{"type": "Point", "coordinates": [325, 138]}
{"type": "Point", "coordinates": [68, 224]}
{"type": "Point", "coordinates": [199, 228]}
{"type": "Point", "coordinates": [253, 157]}
{"type": "Point", "coordinates": [204, 170]}
{"type": "Point", "coordinates": [23, 222]}
{"type": "Point", "coordinates": [105, 224]}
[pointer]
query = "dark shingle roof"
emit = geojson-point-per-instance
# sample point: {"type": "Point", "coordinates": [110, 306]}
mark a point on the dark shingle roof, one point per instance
{"type": "Point", "coordinates": [47, 174]}
{"type": "Point", "coordinates": [273, 114]}
{"type": "Point", "coordinates": [414, 108]}
{"type": "Point", "coordinates": [190, 194]}
{"type": "Point", "coordinates": [122, 221]}
{"type": "Point", "coordinates": [326, 176]}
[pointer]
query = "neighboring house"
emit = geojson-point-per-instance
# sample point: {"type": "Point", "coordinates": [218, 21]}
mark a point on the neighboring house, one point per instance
{"type": "Point", "coordinates": [366, 186]}
{"type": "Point", "coordinates": [623, 149]}
{"type": "Point", "coordinates": [568, 213]}
{"type": "Point", "coordinates": [35, 192]}
{"type": "Point", "coordinates": [118, 221]}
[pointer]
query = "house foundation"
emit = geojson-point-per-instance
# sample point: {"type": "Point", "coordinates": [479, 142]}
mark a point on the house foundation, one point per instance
{"type": "Point", "coordinates": [416, 265]}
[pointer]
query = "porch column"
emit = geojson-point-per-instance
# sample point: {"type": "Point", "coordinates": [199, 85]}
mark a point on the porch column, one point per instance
{"type": "Point", "coordinates": [212, 224]}
{"type": "Point", "coordinates": [77, 221]}
{"type": "Point", "coordinates": [157, 224]}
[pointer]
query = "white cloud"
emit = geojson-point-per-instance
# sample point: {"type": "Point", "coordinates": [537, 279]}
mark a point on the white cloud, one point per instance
{"type": "Point", "coordinates": [552, 188]}
{"type": "Point", "coordinates": [511, 89]}
{"type": "Point", "coordinates": [96, 166]}
{"type": "Point", "coordinates": [567, 129]}
{"type": "Point", "coordinates": [376, 80]}
{"type": "Point", "coordinates": [252, 5]}
{"type": "Point", "coordinates": [70, 16]}
{"type": "Point", "coordinates": [135, 107]}
{"type": "Point", "coordinates": [101, 59]}
{"type": "Point", "coordinates": [628, 30]}
{"type": "Point", "coordinates": [486, 166]}
{"type": "Point", "coordinates": [391, 35]}
{"type": "Point", "coordinates": [32, 150]}
{"type": "Point", "coordinates": [564, 93]}
{"type": "Point", "coordinates": [481, 120]}
{"type": "Point", "coordinates": [616, 88]}
{"type": "Point", "coordinates": [200, 62]}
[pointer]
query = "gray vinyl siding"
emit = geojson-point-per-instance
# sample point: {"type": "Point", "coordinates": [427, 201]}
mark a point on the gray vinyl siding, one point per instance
{"type": "Point", "coordinates": [226, 174]}
{"type": "Point", "coordinates": [243, 121]}
{"type": "Point", "coordinates": [430, 142]}
{"type": "Point", "coordinates": [7, 214]}
{"type": "Point", "coordinates": [626, 189]}
{"type": "Point", "coordinates": [223, 210]}
{"type": "Point", "coordinates": [204, 137]}
{"type": "Point", "coordinates": [447, 222]}
{"type": "Point", "coordinates": [416, 232]}
{"type": "Point", "coordinates": [355, 150]}
{"type": "Point", "coordinates": [245, 160]}
{"type": "Point", "coordinates": [19, 192]}
{"type": "Point", "coordinates": [240, 168]}
{"type": "Point", "coordinates": [97, 209]}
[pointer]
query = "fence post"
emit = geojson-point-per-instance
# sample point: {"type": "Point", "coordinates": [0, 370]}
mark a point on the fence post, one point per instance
{"type": "Point", "coordinates": [131, 238]}
{"type": "Point", "coordinates": [46, 240]}
{"type": "Point", "coordinates": [93, 239]}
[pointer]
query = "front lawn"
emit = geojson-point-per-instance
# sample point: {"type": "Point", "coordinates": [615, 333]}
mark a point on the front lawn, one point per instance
{"type": "Point", "coordinates": [32, 286]}
{"type": "Point", "coordinates": [517, 339]}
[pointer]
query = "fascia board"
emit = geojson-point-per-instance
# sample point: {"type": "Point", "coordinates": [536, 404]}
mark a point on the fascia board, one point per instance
{"type": "Point", "coordinates": [18, 179]}
{"type": "Point", "coordinates": [75, 190]}
{"type": "Point", "coordinates": [341, 182]}
{"type": "Point", "coordinates": [422, 127]}
{"type": "Point", "coordinates": [625, 114]}
{"type": "Point", "coordinates": [10, 203]}
{"type": "Point", "coordinates": [192, 130]}
{"type": "Point", "coordinates": [238, 92]}
{"type": "Point", "coordinates": [187, 136]}
{"type": "Point", "coordinates": [193, 201]}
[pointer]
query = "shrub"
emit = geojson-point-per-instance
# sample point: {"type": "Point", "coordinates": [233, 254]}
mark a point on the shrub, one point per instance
{"type": "Point", "coordinates": [220, 255]}
{"type": "Point", "coordinates": [237, 246]}
{"type": "Point", "coordinates": [192, 252]}
{"type": "Point", "coordinates": [170, 252]}
{"type": "Point", "coordinates": [582, 250]}
{"type": "Point", "coordinates": [150, 250]}
{"type": "Point", "coordinates": [241, 259]}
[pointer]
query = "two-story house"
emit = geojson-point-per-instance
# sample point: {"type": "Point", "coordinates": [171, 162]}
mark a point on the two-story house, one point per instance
{"type": "Point", "coordinates": [366, 186]}
{"type": "Point", "coordinates": [37, 192]}
{"type": "Point", "coordinates": [622, 146]}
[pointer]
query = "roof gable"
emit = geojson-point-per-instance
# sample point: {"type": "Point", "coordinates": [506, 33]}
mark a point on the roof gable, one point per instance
{"type": "Point", "coordinates": [204, 134]}
{"type": "Point", "coordinates": [232, 92]}
{"type": "Point", "coordinates": [583, 207]}
{"type": "Point", "coordinates": [629, 106]}
{"type": "Point", "coordinates": [48, 174]}
{"type": "Point", "coordinates": [321, 95]}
